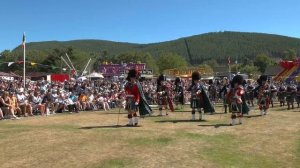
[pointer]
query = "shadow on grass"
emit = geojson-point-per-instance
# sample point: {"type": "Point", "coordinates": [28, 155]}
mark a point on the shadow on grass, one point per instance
{"type": "Point", "coordinates": [253, 116]}
{"type": "Point", "coordinates": [178, 121]}
{"type": "Point", "coordinates": [104, 113]}
{"type": "Point", "coordinates": [215, 125]}
{"type": "Point", "coordinates": [110, 126]}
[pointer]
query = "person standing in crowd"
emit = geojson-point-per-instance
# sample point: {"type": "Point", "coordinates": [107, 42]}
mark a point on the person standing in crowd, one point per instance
{"type": "Point", "coordinates": [263, 94]}
{"type": "Point", "coordinates": [237, 100]}
{"type": "Point", "coordinates": [199, 98]}
{"type": "Point", "coordinates": [135, 99]}
{"type": "Point", "coordinates": [179, 92]}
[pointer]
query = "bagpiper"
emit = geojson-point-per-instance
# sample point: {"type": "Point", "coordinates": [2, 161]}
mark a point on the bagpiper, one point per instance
{"type": "Point", "coordinates": [223, 92]}
{"type": "Point", "coordinates": [163, 91]}
{"type": "Point", "coordinates": [135, 99]}
{"type": "Point", "coordinates": [179, 92]}
{"type": "Point", "coordinates": [237, 101]}
{"type": "Point", "coordinates": [281, 95]}
{"type": "Point", "coordinates": [199, 98]}
{"type": "Point", "coordinates": [290, 96]}
{"type": "Point", "coordinates": [249, 93]}
{"type": "Point", "coordinates": [212, 91]}
{"type": "Point", "coordinates": [263, 94]}
{"type": "Point", "coordinates": [273, 92]}
{"type": "Point", "coordinates": [298, 95]}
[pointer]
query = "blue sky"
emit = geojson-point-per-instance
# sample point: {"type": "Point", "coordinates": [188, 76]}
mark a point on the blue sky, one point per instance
{"type": "Point", "coordinates": [141, 21]}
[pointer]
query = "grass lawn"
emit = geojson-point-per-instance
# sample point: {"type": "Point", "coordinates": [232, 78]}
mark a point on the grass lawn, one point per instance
{"type": "Point", "coordinates": [91, 139]}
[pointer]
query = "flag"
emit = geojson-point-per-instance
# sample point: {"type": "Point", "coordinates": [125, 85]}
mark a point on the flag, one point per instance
{"type": "Point", "coordinates": [73, 72]}
{"type": "Point", "coordinates": [23, 40]}
{"type": "Point", "coordinates": [229, 61]}
{"type": "Point", "coordinates": [53, 67]}
{"type": "Point", "coordinates": [33, 63]}
{"type": "Point", "coordinates": [10, 63]}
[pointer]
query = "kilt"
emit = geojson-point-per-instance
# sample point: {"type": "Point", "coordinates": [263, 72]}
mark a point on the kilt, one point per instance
{"type": "Point", "coordinates": [236, 108]}
{"type": "Point", "coordinates": [298, 98]}
{"type": "Point", "coordinates": [162, 100]}
{"type": "Point", "coordinates": [290, 98]}
{"type": "Point", "coordinates": [250, 96]}
{"type": "Point", "coordinates": [264, 102]}
{"type": "Point", "coordinates": [130, 105]}
{"type": "Point", "coordinates": [197, 103]}
{"type": "Point", "coordinates": [179, 99]}
{"type": "Point", "coordinates": [281, 96]}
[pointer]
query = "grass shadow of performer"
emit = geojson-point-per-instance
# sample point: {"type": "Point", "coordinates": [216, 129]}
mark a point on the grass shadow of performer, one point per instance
{"type": "Point", "coordinates": [109, 126]}
{"type": "Point", "coordinates": [179, 121]}
{"type": "Point", "coordinates": [215, 125]}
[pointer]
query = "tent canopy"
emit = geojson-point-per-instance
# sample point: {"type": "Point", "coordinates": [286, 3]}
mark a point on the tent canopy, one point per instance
{"type": "Point", "coordinates": [95, 75]}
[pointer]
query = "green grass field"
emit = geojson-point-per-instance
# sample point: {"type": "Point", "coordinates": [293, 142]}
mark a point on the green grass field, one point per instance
{"type": "Point", "coordinates": [91, 139]}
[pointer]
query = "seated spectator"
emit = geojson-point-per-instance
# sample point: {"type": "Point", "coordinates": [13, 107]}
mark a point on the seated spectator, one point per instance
{"type": "Point", "coordinates": [47, 100]}
{"type": "Point", "coordinates": [36, 103]}
{"type": "Point", "coordinates": [14, 103]}
{"type": "Point", "coordinates": [1, 115]}
{"type": "Point", "coordinates": [83, 99]}
{"type": "Point", "coordinates": [102, 101]}
{"type": "Point", "coordinates": [23, 103]}
{"type": "Point", "coordinates": [70, 104]}
{"type": "Point", "coordinates": [60, 103]}
{"type": "Point", "coordinates": [6, 107]}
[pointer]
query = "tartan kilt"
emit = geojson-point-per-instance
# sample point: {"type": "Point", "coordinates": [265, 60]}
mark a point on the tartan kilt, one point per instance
{"type": "Point", "coordinates": [130, 105]}
{"type": "Point", "coordinates": [162, 100]}
{"type": "Point", "coordinates": [290, 98]}
{"type": "Point", "coordinates": [263, 101]}
{"type": "Point", "coordinates": [298, 99]}
{"type": "Point", "coordinates": [197, 103]}
{"type": "Point", "coordinates": [236, 108]}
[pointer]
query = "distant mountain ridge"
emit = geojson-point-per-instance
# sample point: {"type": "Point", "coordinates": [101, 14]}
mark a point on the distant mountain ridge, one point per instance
{"type": "Point", "coordinates": [195, 49]}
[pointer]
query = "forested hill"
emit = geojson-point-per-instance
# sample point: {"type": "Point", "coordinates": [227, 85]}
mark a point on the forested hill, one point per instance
{"type": "Point", "coordinates": [194, 49]}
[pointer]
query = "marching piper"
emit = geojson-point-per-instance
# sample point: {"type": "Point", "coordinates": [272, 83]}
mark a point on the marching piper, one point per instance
{"type": "Point", "coordinates": [281, 95]}
{"type": "Point", "coordinates": [298, 95]}
{"type": "Point", "coordinates": [249, 93]}
{"type": "Point", "coordinates": [163, 95]}
{"type": "Point", "coordinates": [199, 98]}
{"type": "Point", "coordinates": [223, 92]}
{"type": "Point", "coordinates": [135, 99]}
{"type": "Point", "coordinates": [212, 90]}
{"type": "Point", "coordinates": [263, 94]}
{"type": "Point", "coordinates": [290, 96]}
{"type": "Point", "coordinates": [179, 92]}
{"type": "Point", "coordinates": [237, 101]}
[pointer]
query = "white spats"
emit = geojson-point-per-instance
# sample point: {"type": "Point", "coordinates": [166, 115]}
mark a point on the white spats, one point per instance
{"type": "Point", "coordinates": [201, 117]}
{"type": "Point", "coordinates": [135, 121]}
{"type": "Point", "coordinates": [130, 122]}
{"type": "Point", "coordinates": [193, 117]}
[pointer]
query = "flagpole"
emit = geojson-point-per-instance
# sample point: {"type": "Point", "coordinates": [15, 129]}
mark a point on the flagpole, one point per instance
{"type": "Point", "coordinates": [229, 68]}
{"type": "Point", "coordinates": [24, 62]}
